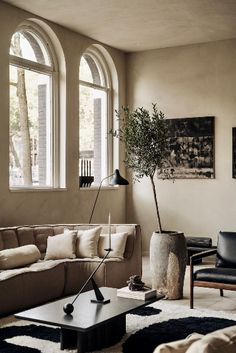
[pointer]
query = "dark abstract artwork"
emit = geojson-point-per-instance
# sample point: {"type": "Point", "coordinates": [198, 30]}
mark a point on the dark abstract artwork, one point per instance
{"type": "Point", "coordinates": [234, 153]}
{"type": "Point", "coordinates": [192, 147]}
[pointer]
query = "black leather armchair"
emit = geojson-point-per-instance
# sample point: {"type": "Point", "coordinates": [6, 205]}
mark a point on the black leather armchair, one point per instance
{"type": "Point", "coordinates": [223, 275]}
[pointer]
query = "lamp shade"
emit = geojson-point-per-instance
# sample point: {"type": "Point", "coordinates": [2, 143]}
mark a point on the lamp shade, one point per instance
{"type": "Point", "coordinates": [118, 179]}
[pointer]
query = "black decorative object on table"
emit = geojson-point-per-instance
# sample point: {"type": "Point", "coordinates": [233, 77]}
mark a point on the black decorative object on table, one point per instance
{"type": "Point", "coordinates": [69, 308]}
{"type": "Point", "coordinates": [135, 283]}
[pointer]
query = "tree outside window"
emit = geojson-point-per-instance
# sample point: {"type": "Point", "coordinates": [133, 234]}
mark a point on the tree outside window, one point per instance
{"type": "Point", "coordinates": [31, 148]}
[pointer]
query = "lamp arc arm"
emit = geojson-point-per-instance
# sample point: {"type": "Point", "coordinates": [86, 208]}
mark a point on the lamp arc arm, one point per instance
{"type": "Point", "coordinates": [92, 274]}
{"type": "Point", "coordinates": [95, 201]}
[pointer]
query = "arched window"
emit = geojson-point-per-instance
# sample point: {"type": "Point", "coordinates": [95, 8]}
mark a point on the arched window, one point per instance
{"type": "Point", "coordinates": [33, 120]}
{"type": "Point", "coordinates": [95, 120]}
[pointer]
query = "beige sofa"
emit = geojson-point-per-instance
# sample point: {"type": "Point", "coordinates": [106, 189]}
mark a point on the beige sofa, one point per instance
{"type": "Point", "coordinates": [45, 280]}
{"type": "Point", "coordinates": [219, 341]}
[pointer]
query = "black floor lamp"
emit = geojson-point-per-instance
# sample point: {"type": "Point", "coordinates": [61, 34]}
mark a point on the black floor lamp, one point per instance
{"type": "Point", "coordinates": [69, 308]}
{"type": "Point", "coordinates": [116, 180]}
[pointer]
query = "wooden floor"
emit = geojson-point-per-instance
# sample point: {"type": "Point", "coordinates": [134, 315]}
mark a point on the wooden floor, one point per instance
{"type": "Point", "coordinates": [206, 298]}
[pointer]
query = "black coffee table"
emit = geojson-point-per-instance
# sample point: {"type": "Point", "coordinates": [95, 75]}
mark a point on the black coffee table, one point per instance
{"type": "Point", "coordinates": [92, 326]}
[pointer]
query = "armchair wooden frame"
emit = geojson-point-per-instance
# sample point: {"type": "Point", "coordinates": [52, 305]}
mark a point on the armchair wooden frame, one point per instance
{"type": "Point", "coordinates": [194, 283]}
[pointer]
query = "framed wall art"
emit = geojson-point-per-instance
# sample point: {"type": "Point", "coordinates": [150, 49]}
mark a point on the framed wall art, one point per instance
{"type": "Point", "coordinates": [192, 147]}
{"type": "Point", "coordinates": [234, 152]}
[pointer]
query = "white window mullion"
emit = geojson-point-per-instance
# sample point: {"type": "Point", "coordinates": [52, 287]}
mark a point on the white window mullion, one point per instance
{"type": "Point", "coordinates": [30, 65]}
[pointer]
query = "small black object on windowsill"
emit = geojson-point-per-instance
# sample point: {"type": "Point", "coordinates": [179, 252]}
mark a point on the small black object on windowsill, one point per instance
{"type": "Point", "coordinates": [85, 181]}
{"type": "Point", "coordinates": [69, 307]}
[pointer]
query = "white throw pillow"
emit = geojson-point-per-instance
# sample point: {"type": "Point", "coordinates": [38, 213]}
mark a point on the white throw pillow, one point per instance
{"type": "Point", "coordinates": [61, 246]}
{"type": "Point", "coordinates": [220, 341]}
{"type": "Point", "coordinates": [118, 243]}
{"type": "Point", "coordinates": [87, 242]}
{"type": "Point", "coordinates": [19, 257]}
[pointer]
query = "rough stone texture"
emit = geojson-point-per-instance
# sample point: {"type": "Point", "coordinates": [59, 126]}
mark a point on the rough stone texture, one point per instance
{"type": "Point", "coordinates": [168, 263]}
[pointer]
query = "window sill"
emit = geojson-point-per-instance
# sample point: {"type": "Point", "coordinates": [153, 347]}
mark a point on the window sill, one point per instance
{"type": "Point", "coordinates": [28, 189]}
{"type": "Point", "coordinates": [105, 187]}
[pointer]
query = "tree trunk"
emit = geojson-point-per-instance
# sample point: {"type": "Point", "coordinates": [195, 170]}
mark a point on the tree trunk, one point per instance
{"type": "Point", "coordinates": [24, 126]}
{"type": "Point", "coordinates": [14, 153]}
{"type": "Point", "coordinates": [156, 204]}
{"type": "Point", "coordinates": [23, 117]}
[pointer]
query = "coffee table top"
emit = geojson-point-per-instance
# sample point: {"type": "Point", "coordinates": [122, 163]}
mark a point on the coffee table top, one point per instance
{"type": "Point", "coordinates": [86, 315]}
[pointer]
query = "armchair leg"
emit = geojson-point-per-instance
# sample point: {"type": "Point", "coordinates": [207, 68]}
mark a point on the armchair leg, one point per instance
{"type": "Point", "coordinates": [221, 292]}
{"type": "Point", "coordinates": [191, 297]}
{"type": "Point", "coordinates": [191, 283]}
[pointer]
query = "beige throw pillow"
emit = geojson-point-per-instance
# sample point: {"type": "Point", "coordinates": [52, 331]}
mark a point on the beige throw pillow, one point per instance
{"type": "Point", "coordinates": [61, 246]}
{"type": "Point", "coordinates": [180, 346]}
{"type": "Point", "coordinates": [87, 242]}
{"type": "Point", "coordinates": [118, 243]}
{"type": "Point", "coordinates": [220, 341]}
{"type": "Point", "coordinates": [19, 257]}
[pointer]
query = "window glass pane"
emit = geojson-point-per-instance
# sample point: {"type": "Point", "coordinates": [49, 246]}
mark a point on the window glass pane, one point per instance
{"type": "Point", "coordinates": [91, 71]}
{"type": "Point", "coordinates": [93, 133]}
{"type": "Point", "coordinates": [30, 128]}
{"type": "Point", "coordinates": [27, 45]}
{"type": "Point", "coordinates": [85, 73]}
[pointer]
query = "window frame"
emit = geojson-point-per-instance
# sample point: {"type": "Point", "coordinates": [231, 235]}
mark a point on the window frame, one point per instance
{"type": "Point", "coordinates": [52, 71]}
{"type": "Point", "coordinates": [101, 62]}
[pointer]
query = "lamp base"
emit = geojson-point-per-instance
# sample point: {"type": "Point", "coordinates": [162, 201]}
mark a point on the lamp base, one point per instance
{"type": "Point", "coordinates": [100, 301]}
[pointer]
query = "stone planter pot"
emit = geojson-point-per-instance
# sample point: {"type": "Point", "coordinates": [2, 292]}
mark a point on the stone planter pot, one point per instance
{"type": "Point", "coordinates": [168, 257]}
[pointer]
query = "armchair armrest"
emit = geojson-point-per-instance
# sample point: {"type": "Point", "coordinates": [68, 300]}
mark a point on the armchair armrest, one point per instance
{"type": "Point", "coordinates": [202, 254]}
{"type": "Point", "coordinates": [192, 258]}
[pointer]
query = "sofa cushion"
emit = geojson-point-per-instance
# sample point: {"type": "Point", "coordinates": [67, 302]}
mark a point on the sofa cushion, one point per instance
{"type": "Point", "coordinates": [25, 236]}
{"type": "Point", "coordinates": [131, 239]}
{"type": "Point", "coordinates": [41, 242]}
{"type": "Point", "coordinates": [32, 285]}
{"type": "Point", "coordinates": [18, 257]}
{"type": "Point", "coordinates": [61, 246]}
{"type": "Point", "coordinates": [118, 244]}
{"type": "Point", "coordinates": [223, 340]}
{"type": "Point", "coordinates": [221, 275]}
{"type": "Point", "coordinates": [41, 234]}
{"type": "Point", "coordinates": [87, 242]}
{"type": "Point", "coordinates": [8, 239]}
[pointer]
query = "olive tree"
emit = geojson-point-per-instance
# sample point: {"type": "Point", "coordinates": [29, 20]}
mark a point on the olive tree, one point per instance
{"type": "Point", "coordinates": [145, 136]}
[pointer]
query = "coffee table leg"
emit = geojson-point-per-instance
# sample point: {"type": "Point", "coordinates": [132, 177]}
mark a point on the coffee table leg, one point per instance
{"type": "Point", "coordinates": [103, 336]}
{"type": "Point", "coordinates": [82, 342]}
{"type": "Point", "coordinates": [68, 338]}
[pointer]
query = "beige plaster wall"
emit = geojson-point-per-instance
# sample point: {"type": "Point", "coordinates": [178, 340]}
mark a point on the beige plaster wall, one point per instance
{"type": "Point", "coordinates": [71, 204]}
{"type": "Point", "coordinates": [188, 81]}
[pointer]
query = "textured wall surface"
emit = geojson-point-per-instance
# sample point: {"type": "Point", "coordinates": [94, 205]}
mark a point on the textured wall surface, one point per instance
{"type": "Point", "coordinates": [188, 81]}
